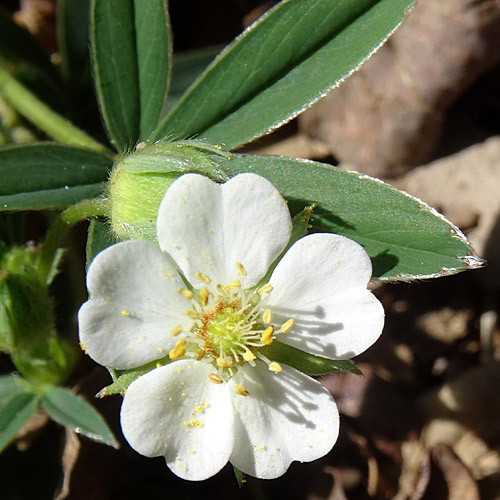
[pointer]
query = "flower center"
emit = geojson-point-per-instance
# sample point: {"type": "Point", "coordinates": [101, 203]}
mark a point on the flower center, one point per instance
{"type": "Point", "coordinates": [230, 327]}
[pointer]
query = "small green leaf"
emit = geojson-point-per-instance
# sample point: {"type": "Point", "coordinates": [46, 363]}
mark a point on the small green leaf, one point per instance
{"type": "Point", "coordinates": [73, 18]}
{"type": "Point", "coordinates": [285, 61]}
{"type": "Point", "coordinates": [131, 60]}
{"type": "Point", "coordinates": [46, 175]}
{"type": "Point", "coordinates": [307, 363]}
{"type": "Point", "coordinates": [404, 237]}
{"type": "Point", "coordinates": [73, 411]}
{"type": "Point", "coordinates": [17, 406]}
{"type": "Point", "coordinates": [99, 237]}
{"type": "Point", "coordinates": [126, 377]}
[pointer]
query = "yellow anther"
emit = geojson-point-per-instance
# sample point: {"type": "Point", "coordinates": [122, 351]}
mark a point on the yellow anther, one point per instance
{"type": "Point", "coordinates": [267, 336]}
{"type": "Point", "coordinates": [176, 330]}
{"type": "Point", "coordinates": [239, 389]}
{"type": "Point", "coordinates": [204, 296]}
{"type": "Point", "coordinates": [267, 317]}
{"type": "Point", "coordinates": [241, 270]}
{"type": "Point", "coordinates": [179, 350]}
{"type": "Point", "coordinates": [224, 363]}
{"type": "Point", "coordinates": [200, 355]}
{"type": "Point", "coordinates": [287, 326]}
{"type": "Point", "coordinates": [275, 367]}
{"type": "Point", "coordinates": [248, 356]}
{"type": "Point", "coordinates": [222, 290]}
{"type": "Point", "coordinates": [190, 313]}
{"type": "Point", "coordinates": [125, 313]}
{"type": "Point", "coordinates": [214, 378]}
{"type": "Point", "coordinates": [233, 284]}
{"type": "Point", "coordinates": [265, 289]}
{"type": "Point", "coordinates": [187, 294]}
{"type": "Point", "coordinates": [203, 277]}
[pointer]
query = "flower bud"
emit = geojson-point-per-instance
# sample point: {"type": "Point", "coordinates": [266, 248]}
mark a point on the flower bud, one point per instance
{"type": "Point", "coordinates": [139, 180]}
{"type": "Point", "coordinates": [26, 313]}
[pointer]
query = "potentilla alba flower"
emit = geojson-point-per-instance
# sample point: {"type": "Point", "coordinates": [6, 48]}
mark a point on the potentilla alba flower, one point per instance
{"type": "Point", "coordinates": [200, 299]}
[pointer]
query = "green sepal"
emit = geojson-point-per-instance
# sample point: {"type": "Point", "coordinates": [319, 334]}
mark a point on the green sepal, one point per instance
{"type": "Point", "coordinates": [308, 363]}
{"type": "Point", "coordinates": [139, 181]}
{"type": "Point", "coordinates": [240, 476]}
{"type": "Point", "coordinates": [122, 379]}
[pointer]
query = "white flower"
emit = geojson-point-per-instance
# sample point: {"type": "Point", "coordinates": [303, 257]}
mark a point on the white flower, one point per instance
{"type": "Point", "coordinates": [222, 399]}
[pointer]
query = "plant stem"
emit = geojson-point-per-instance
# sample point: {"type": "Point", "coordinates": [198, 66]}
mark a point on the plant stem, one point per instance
{"type": "Point", "coordinates": [47, 120]}
{"type": "Point", "coordinates": [60, 228]}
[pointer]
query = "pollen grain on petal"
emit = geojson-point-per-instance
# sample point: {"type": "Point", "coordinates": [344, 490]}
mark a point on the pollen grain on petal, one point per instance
{"type": "Point", "coordinates": [203, 278]}
{"type": "Point", "coordinates": [125, 313]}
{"type": "Point", "coordinates": [287, 326]}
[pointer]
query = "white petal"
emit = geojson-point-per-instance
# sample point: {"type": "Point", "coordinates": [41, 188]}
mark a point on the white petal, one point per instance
{"type": "Point", "coordinates": [133, 306]}
{"type": "Point", "coordinates": [321, 283]}
{"type": "Point", "coordinates": [175, 412]}
{"type": "Point", "coordinates": [287, 416]}
{"type": "Point", "coordinates": [208, 227]}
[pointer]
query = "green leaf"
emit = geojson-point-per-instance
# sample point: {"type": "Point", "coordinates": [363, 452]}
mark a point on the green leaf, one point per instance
{"type": "Point", "coordinates": [45, 175]}
{"type": "Point", "coordinates": [186, 68]}
{"type": "Point", "coordinates": [308, 363]}
{"type": "Point", "coordinates": [404, 237]}
{"type": "Point", "coordinates": [288, 59]}
{"type": "Point", "coordinates": [17, 406]}
{"type": "Point", "coordinates": [73, 17]}
{"type": "Point", "coordinates": [99, 237]}
{"type": "Point", "coordinates": [131, 60]}
{"type": "Point", "coordinates": [73, 411]}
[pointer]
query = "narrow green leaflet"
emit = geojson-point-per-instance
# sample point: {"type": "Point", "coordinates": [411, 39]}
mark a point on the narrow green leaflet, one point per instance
{"type": "Point", "coordinates": [99, 238]}
{"type": "Point", "coordinates": [285, 61]}
{"type": "Point", "coordinates": [46, 175]}
{"type": "Point", "coordinates": [73, 411]}
{"type": "Point", "coordinates": [308, 363]}
{"type": "Point", "coordinates": [404, 237]}
{"type": "Point", "coordinates": [17, 406]}
{"type": "Point", "coordinates": [131, 61]}
{"type": "Point", "coordinates": [73, 38]}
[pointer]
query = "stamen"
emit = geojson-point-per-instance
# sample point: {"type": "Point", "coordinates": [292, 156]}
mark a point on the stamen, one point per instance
{"type": "Point", "coordinates": [200, 355]}
{"type": "Point", "coordinates": [176, 330]}
{"type": "Point", "coordinates": [233, 284]}
{"type": "Point", "coordinates": [239, 389]}
{"type": "Point", "coordinates": [248, 356]}
{"type": "Point", "coordinates": [241, 270]}
{"type": "Point", "coordinates": [187, 294]}
{"type": "Point", "coordinates": [266, 337]}
{"type": "Point", "coordinates": [203, 277]}
{"type": "Point", "coordinates": [224, 363]}
{"type": "Point", "coordinates": [222, 290]}
{"type": "Point", "coordinates": [267, 316]}
{"type": "Point", "coordinates": [287, 326]}
{"type": "Point", "coordinates": [192, 314]}
{"type": "Point", "coordinates": [179, 350]}
{"type": "Point", "coordinates": [275, 367]}
{"type": "Point", "coordinates": [265, 289]}
{"type": "Point", "coordinates": [214, 378]}
{"type": "Point", "coordinates": [204, 296]}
